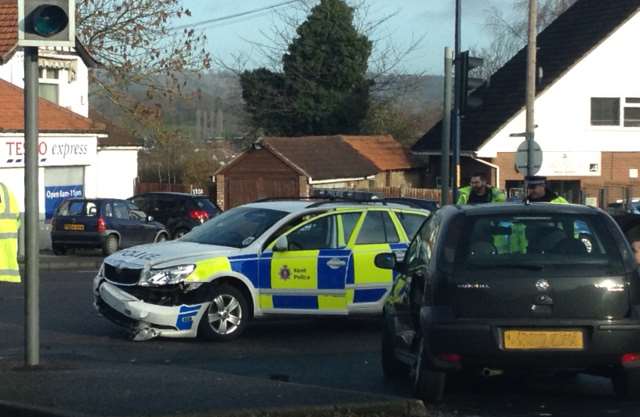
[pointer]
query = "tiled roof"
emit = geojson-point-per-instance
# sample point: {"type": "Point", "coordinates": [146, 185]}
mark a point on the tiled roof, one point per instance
{"type": "Point", "coordinates": [8, 28]}
{"type": "Point", "coordinates": [560, 46]}
{"type": "Point", "coordinates": [335, 157]}
{"type": "Point", "coordinates": [321, 157]}
{"type": "Point", "coordinates": [51, 117]}
{"type": "Point", "coordinates": [384, 151]}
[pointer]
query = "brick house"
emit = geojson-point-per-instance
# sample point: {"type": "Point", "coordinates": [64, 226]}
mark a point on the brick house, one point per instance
{"type": "Point", "coordinates": [291, 166]}
{"type": "Point", "coordinates": [587, 108]}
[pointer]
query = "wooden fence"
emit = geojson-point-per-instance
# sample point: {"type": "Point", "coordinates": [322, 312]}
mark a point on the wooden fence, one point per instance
{"type": "Point", "coordinates": [420, 193]}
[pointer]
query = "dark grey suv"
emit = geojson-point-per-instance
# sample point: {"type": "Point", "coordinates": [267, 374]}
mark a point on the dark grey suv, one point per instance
{"type": "Point", "coordinates": [179, 212]}
{"type": "Point", "coordinates": [514, 287]}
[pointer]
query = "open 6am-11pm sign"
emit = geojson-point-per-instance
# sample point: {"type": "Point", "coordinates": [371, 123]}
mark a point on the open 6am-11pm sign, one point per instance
{"type": "Point", "coordinates": [52, 151]}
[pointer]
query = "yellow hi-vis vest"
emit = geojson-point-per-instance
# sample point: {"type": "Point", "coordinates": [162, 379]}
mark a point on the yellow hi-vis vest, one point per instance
{"type": "Point", "coordinates": [9, 224]}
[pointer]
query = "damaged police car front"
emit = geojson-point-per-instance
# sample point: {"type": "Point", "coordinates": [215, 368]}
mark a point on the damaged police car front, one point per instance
{"type": "Point", "coordinates": [293, 257]}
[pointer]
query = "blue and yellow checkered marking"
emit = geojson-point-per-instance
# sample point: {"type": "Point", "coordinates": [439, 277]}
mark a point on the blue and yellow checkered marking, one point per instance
{"type": "Point", "coordinates": [314, 274]}
{"type": "Point", "coordinates": [185, 317]}
{"type": "Point", "coordinates": [301, 302]}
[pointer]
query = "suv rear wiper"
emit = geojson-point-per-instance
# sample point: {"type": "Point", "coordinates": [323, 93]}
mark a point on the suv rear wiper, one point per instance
{"type": "Point", "coordinates": [529, 267]}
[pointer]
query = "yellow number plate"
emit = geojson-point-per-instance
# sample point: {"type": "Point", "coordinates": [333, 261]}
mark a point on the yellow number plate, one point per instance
{"type": "Point", "coordinates": [543, 339]}
{"type": "Point", "coordinates": [74, 227]}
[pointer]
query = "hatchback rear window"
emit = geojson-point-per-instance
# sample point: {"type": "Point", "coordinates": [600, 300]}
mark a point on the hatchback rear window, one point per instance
{"type": "Point", "coordinates": [558, 244]}
{"type": "Point", "coordinates": [71, 208]}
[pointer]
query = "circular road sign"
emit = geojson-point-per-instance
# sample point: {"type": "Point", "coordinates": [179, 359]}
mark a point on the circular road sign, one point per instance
{"type": "Point", "coordinates": [521, 158]}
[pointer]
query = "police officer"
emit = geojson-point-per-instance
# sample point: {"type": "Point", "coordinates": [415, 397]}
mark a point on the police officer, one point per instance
{"type": "Point", "coordinates": [9, 225]}
{"type": "Point", "coordinates": [479, 192]}
{"type": "Point", "coordinates": [538, 192]}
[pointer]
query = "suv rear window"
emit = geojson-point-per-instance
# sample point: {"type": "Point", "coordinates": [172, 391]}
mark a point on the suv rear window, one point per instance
{"type": "Point", "coordinates": [205, 204]}
{"type": "Point", "coordinates": [567, 245]}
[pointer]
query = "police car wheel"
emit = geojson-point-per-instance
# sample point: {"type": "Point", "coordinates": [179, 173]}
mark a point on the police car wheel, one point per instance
{"type": "Point", "coordinates": [227, 316]}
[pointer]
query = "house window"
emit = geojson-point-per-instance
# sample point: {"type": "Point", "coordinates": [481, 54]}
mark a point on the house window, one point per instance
{"type": "Point", "coordinates": [605, 111]}
{"type": "Point", "coordinates": [49, 84]}
{"type": "Point", "coordinates": [632, 112]}
{"type": "Point", "coordinates": [49, 92]}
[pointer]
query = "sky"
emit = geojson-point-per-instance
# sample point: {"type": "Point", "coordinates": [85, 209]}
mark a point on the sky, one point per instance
{"type": "Point", "coordinates": [431, 20]}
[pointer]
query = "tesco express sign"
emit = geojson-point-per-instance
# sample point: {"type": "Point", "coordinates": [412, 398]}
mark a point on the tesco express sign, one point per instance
{"type": "Point", "coordinates": [52, 151]}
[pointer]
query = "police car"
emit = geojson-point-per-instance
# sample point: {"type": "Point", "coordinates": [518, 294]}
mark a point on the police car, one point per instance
{"type": "Point", "coordinates": [260, 259]}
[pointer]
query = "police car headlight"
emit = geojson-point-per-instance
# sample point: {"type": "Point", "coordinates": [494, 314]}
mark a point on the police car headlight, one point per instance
{"type": "Point", "coordinates": [167, 276]}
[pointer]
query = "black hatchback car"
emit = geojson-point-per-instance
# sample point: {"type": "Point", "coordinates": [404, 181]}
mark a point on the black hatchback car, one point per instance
{"type": "Point", "coordinates": [514, 287]}
{"type": "Point", "coordinates": [179, 212]}
{"type": "Point", "coordinates": [108, 224]}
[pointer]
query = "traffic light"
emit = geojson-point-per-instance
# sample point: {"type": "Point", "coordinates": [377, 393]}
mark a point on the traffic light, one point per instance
{"type": "Point", "coordinates": [468, 84]}
{"type": "Point", "coordinates": [46, 22]}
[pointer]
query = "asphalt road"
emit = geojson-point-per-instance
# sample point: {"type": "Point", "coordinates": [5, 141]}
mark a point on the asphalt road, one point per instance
{"type": "Point", "coordinates": [333, 353]}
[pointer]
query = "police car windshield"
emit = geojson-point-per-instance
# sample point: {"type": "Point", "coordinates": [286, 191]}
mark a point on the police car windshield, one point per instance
{"type": "Point", "coordinates": [238, 227]}
{"type": "Point", "coordinates": [557, 244]}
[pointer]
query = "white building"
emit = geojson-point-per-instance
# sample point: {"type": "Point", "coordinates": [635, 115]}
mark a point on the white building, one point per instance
{"type": "Point", "coordinates": [587, 108]}
{"type": "Point", "coordinates": [78, 156]}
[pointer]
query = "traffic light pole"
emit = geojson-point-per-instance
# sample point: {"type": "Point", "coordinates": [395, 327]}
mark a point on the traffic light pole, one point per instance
{"type": "Point", "coordinates": [531, 82]}
{"type": "Point", "coordinates": [455, 128]}
{"type": "Point", "coordinates": [32, 220]}
{"type": "Point", "coordinates": [445, 161]}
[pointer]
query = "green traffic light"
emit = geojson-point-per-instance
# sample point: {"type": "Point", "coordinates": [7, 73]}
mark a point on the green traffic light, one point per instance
{"type": "Point", "coordinates": [48, 20]}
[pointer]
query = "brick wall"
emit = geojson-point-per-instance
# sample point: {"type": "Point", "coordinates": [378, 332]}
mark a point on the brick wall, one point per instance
{"type": "Point", "coordinates": [615, 170]}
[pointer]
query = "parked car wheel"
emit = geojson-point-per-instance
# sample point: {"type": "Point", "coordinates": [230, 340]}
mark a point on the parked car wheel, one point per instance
{"type": "Point", "coordinates": [392, 368]}
{"type": "Point", "coordinates": [59, 250]}
{"type": "Point", "coordinates": [162, 237]}
{"type": "Point", "coordinates": [428, 384]}
{"type": "Point", "coordinates": [626, 384]}
{"type": "Point", "coordinates": [227, 316]}
{"type": "Point", "coordinates": [179, 233]}
{"type": "Point", "coordinates": [110, 245]}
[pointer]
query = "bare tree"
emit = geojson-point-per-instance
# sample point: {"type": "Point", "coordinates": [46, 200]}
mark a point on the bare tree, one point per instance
{"type": "Point", "coordinates": [134, 42]}
{"type": "Point", "coordinates": [510, 35]}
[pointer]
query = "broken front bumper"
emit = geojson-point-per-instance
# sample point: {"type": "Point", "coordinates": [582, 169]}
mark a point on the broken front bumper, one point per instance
{"type": "Point", "coordinates": [143, 319]}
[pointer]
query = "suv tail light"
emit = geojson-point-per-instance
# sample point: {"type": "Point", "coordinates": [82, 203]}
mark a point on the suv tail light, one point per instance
{"type": "Point", "coordinates": [628, 358]}
{"type": "Point", "coordinates": [200, 215]}
{"type": "Point", "coordinates": [102, 226]}
{"type": "Point", "coordinates": [450, 357]}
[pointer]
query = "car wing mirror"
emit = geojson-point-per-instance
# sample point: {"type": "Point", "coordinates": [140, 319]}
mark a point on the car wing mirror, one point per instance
{"type": "Point", "coordinates": [281, 245]}
{"type": "Point", "coordinates": [386, 261]}
{"type": "Point", "coordinates": [150, 219]}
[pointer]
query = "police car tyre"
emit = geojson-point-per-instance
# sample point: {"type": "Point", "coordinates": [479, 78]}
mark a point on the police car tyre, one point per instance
{"type": "Point", "coordinates": [227, 316]}
{"type": "Point", "coordinates": [626, 384]}
{"type": "Point", "coordinates": [110, 245]}
{"type": "Point", "coordinates": [59, 250]}
{"type": "Point", "coordinates": [428, 384]}
{"type": "Point", "coordinates": [392, 368]}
